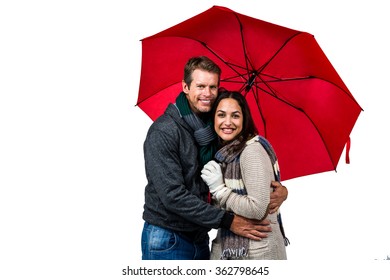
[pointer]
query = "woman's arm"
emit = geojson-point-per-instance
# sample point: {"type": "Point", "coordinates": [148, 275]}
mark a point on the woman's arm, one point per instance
{"type": "Point", "coordinates": [257, 174]}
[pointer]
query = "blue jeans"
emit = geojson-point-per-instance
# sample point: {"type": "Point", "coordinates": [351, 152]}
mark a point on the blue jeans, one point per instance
{"type": "Point", "coordinates": [163, 244]}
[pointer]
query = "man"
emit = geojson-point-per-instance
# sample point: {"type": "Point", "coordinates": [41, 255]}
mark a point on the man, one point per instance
{"type": "Point", "coordinates": [177, 213]}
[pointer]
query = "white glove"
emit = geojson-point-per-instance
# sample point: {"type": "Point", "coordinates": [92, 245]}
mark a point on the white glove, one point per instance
{"type": "Point", "coordinates": [212, 176]}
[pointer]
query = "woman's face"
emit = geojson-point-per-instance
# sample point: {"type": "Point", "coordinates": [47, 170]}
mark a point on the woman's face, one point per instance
{"type": "Point", "coordinates": [228, 119]}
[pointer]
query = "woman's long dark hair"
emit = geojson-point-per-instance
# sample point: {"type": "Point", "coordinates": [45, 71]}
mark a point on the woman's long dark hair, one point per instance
{"type": "Point", "coordinates": [249, 129]}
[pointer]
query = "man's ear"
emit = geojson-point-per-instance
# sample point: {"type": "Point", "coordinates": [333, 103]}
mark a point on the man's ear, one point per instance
{"type": "Point", "coordinates": [185, 87]}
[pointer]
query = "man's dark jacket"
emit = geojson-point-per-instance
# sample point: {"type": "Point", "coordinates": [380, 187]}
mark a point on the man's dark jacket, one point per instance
{"type": "Point", "coordinates": [176, 196]}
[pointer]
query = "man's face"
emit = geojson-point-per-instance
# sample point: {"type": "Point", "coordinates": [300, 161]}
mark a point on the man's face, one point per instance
{"type": "Point", "coordinates": [202, 92]}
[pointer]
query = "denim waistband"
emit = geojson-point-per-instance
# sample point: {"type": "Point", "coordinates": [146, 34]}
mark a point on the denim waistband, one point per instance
{"type": "Point", "coordinates": [194, 236]}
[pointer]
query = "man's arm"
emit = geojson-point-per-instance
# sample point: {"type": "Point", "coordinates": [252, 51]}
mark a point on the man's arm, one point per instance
{"type": "Point", "coordinates": [254, 229]}
{"type": "Point", "coordinates": [278, 196]}
{"type": "Point", "coordinates": [165, 173]}
{"type": "Point", "coordinates": [249, 228]}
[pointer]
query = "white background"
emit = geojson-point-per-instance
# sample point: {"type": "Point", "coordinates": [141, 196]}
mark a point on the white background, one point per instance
{"type": "Point", "coordinates": [71, 159]}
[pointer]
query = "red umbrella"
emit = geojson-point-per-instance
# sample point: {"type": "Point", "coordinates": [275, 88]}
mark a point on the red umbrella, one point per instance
{"type": "Point", "coordinates": [297, 99]}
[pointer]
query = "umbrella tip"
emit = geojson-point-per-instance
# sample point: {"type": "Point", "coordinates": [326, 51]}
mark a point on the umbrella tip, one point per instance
{"type": "Point", "coordinates": [251, 81]}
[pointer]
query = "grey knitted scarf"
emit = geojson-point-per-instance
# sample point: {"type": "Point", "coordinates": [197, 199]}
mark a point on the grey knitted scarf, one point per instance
{"type": "Point", "coordinates": [204, 133]}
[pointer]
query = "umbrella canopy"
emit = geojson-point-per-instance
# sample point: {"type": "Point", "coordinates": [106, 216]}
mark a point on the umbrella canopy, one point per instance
{"type": "Point", "coordinates": [297, 99]}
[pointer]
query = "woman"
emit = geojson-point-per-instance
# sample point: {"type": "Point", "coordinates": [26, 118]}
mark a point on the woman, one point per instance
{"type": "Point", "coordinates": [248, 166]}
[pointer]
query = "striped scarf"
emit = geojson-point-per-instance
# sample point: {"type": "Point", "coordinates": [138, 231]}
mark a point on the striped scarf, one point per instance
{"type": "Point", "coordinates": [270, 151]}
{"type": "Point", "coordinates": [204, 132]}
{"type": "Point", "coordinates": [235, 246]}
